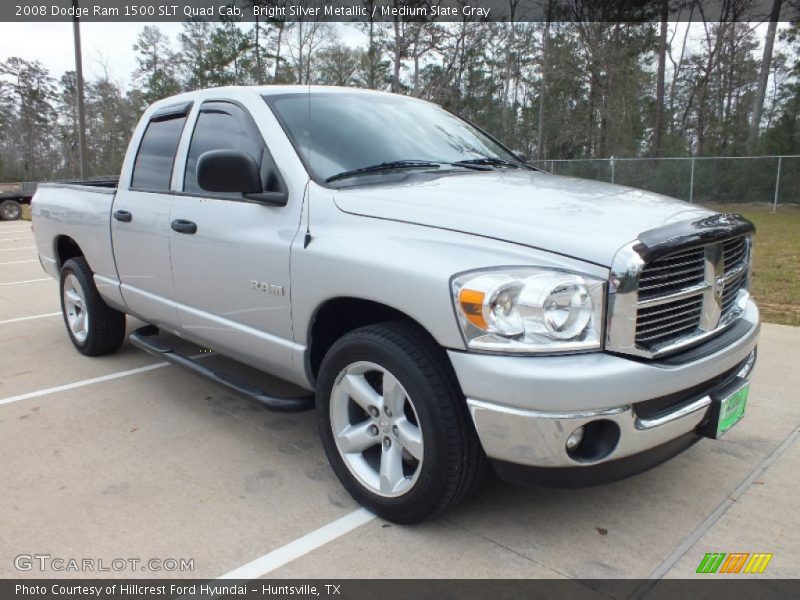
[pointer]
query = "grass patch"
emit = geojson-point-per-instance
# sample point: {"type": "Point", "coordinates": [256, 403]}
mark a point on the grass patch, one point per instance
{"type": "Point", "coordinates": [776, 260]}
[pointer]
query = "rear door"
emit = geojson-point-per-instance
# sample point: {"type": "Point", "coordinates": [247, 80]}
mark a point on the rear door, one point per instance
{"type": "Point", "coordinates": [140, 224]}
{"type": "Point", "coordinates": [231, 273]}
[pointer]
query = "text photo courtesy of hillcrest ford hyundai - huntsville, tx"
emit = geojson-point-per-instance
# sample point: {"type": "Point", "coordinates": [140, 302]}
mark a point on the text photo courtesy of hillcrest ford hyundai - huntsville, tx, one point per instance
{"type": "Point", "coordinates": [335, 316]}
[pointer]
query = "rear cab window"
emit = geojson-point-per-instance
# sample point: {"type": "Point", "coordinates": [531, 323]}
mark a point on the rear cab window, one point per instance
{"type": "Point", "coordinates": [155, 158]}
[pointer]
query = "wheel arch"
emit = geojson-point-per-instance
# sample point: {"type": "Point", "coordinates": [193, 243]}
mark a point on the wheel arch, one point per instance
{"type": "Point", "coordinates": [338, 316]}
{"type": "Point", "coordinates": [65, 248]}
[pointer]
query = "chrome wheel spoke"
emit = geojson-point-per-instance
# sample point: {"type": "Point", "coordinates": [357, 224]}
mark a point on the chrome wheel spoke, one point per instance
{"type": "Point", "coordinates": [410, 437]}
{"type": "Point", "coordinates": [391, 468]}
{"type": "Point", "coordinates": [72, 297]}
{"type": "Point", "coordinates": [80, 322]}
{"type": "Point", "coordinates": [357, 438]}
{"type": "Point", "coordinates": [361, 392]}
{"type": "Point", "coordinates": [394, 397]}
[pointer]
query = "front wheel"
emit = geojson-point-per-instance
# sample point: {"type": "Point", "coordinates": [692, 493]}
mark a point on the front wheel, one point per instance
{"type": "Point", "coordinates": [94, 327]}
{"type": "Point", "coordinates": [394, 423]}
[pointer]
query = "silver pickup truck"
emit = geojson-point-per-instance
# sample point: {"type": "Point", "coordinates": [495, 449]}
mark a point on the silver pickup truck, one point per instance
{"type": "Point", "coordinates": [445, 305]}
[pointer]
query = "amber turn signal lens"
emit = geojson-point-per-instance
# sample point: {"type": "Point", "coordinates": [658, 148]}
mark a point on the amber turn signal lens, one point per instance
{"type": "Point", "coordinates": [471, 302]}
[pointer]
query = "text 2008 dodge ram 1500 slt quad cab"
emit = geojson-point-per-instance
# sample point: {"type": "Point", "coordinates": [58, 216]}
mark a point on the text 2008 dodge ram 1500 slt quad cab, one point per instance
{"type": "Point", "coordinates": [445, 302]}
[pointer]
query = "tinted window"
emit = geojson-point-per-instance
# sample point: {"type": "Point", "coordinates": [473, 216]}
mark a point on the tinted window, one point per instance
{"type": "Point", "coordinates": [153, 168]}
{"type": "Point", "coordinates": [345, 131]}
{"type": "Point", "coordinates": [216, 130]}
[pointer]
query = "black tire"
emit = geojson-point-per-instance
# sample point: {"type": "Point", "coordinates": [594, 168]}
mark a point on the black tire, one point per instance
{"type": "Point", "coordinates": [453, 461]}
{"type": "Point", "coordinates": [10, 210]}
{"type": "Point", "coordinates": [105, 326]}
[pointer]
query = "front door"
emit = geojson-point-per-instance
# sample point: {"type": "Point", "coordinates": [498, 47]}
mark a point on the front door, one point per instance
{"type": "Point", "coordinates": [231, 267]}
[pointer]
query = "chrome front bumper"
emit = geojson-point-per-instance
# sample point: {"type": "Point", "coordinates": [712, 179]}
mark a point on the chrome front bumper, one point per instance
{"type": "Point", "coordinates": [532, 430]}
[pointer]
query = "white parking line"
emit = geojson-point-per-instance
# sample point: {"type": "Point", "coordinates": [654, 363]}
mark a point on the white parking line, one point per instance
{"type": "Point", "coordinates": [93, 380]}
{"type": "Point", "coordinates": [22, 248]}
{"type": "Point", "coordinates": [27, 239]}
{"type": "Point", "coordinates": [18, 319]}
{"type": "Point", "coordinates": [264, 564]}
{"type": "Point", "coordinates": [28, 281]}
{"type": "Point", "coordinates": [18, 262]}
{"type": "Point", "coordinates": [301, 546]}
{"type": "Point", "coordinates": [80, 384]}
{"type": "Point", "coordinates": [16, 230]}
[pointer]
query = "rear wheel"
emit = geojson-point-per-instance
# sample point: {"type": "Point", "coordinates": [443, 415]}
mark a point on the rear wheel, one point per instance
{"type": "Point", "coordinates": [94, 327]}
{"type": "Point", "coordinates": [394, 423]}
{"type": "Point", "coordinates": [10, 210]}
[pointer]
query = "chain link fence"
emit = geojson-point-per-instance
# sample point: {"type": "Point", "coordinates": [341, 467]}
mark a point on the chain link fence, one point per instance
{"type": "Point", "coordinates": [707, 180]}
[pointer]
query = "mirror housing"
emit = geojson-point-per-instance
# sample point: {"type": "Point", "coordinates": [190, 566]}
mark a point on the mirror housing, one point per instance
{"type": "Point", "coordinates": [228, 172]}
{"type": "Point", "coordinates": [274, 190]}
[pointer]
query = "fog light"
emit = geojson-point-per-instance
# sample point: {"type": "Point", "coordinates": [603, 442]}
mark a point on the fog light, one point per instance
{"type": "Point", "coordinates": [575, 438]}
{"type": "Point", "coordinates": [748, 365]}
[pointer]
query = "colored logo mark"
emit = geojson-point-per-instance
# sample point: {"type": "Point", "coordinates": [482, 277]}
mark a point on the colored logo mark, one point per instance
{"type": "Point", "coordinates": [734, 562]}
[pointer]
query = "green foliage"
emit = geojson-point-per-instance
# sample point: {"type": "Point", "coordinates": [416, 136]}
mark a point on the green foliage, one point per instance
{"type": "Point", "coordinates": [783, 136]}
{"type": "Point", "coordinates": [338, 64]}
{"type": "Point", "coordinates": [29, 95]}
{"type": "Point", "coordinates": [156, 72]}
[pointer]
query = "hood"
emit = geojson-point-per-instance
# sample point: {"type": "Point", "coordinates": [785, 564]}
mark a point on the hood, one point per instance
{"type": "Point", "coordinates": [580, 218]}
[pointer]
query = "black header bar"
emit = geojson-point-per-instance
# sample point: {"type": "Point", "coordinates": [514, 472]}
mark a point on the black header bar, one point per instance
{"type": "Point", "coordinates": [702, 587]}
{"type": "Point", "coordinates": [392, 10]}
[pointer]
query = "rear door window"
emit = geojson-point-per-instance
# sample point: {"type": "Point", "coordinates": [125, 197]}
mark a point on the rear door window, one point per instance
{"type": "Point", "coordinates": [152, 170]}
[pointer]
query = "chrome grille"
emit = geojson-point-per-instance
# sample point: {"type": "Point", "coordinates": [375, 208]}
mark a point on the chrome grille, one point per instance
{"type": "Point", "coordinates": [672, 273]}
{"type": "Point", "coordinates": [662, 322]}
{"type": "Point", "coordinates": [682, 283]}
{"type": "Point", "coordinates": [676, 299]}
{"type": "Point", "coordinates": [734, 253]}
{"type": "Point", "coordinates": [735, 262]}
{"type": "Point", "coordinates": [731, 292]}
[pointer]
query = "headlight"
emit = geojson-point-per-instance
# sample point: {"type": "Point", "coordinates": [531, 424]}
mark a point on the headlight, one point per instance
{"type": "Point", "coordinates": [520, 310]}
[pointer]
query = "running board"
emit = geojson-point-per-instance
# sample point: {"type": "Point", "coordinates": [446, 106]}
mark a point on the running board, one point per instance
{"type": "Point", "coordinates": [144, 338]}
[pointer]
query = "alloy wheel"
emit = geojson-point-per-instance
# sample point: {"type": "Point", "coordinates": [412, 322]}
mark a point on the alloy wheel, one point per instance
{"type": "Point", "coordinates": [376, 429]}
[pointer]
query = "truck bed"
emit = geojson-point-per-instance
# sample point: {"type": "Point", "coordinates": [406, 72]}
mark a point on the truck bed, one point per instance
{"type": "Point", "coordinates": [78, 212]}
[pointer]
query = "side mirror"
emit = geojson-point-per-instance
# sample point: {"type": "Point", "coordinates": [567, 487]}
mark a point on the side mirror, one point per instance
{"type": "Point", "coordinates": [228, 171]}
{"type": "Point", "coordinates": [234, 172]}
{"type": "Point", "coordinates": [275, 192]}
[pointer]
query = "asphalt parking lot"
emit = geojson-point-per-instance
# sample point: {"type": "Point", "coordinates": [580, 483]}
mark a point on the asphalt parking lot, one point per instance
{"type": "Point", "coordinates": [125, 457]}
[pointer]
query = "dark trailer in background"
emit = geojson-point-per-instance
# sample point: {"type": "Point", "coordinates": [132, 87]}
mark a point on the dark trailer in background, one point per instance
{"type": "Point", "coordinates": [13, 196]}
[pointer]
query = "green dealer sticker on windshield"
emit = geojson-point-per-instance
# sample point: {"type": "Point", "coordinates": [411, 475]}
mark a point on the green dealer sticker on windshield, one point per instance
{"type": "Point", "coordinates": [732, 409]}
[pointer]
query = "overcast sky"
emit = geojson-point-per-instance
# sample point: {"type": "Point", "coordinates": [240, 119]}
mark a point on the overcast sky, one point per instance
{"type": "Point", "coordinates": [104, 44]}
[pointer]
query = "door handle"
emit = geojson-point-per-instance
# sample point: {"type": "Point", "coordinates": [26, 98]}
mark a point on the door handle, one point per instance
{"type": "Point", "coordinates": [123, 215]}
{"type": "Point", "coordinates": [184, 226]}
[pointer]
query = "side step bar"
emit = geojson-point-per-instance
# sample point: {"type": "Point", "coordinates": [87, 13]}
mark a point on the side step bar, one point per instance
{"type": "Point", "coordinates": [144, 338]}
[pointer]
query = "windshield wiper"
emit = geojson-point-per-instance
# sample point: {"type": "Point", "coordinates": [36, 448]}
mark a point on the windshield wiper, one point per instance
{"type": "Point", "coordinates": [491, 161]}
{"type": "Point", "coordinates": [385, 166]}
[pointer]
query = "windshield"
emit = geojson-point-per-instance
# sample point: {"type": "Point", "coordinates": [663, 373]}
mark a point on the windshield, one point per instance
{"type": "Point", "coordinates": [350, 131]}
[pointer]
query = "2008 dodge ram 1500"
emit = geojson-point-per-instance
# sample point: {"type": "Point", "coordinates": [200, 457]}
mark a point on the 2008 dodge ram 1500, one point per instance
{"type": "Point", "coordinates": [445, 302]}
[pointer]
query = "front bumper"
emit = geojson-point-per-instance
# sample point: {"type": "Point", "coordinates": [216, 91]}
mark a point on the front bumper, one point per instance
{"type": "Point", "coordinates": [525, 408]}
